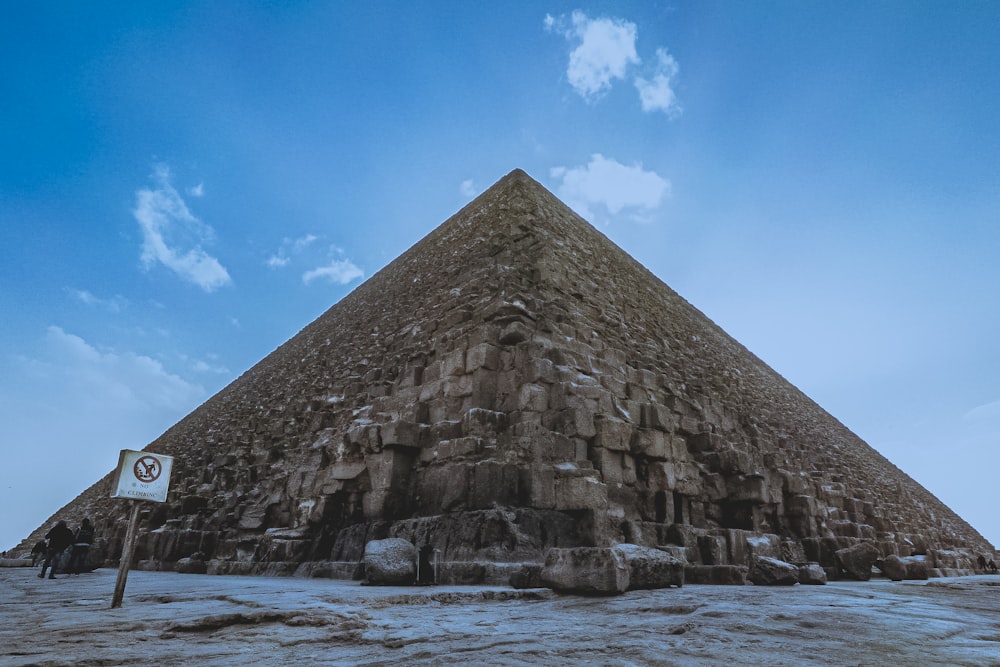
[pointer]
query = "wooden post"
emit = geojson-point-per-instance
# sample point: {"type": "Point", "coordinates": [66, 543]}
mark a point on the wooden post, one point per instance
{"type": "Point", "coordinates": [126, 561]}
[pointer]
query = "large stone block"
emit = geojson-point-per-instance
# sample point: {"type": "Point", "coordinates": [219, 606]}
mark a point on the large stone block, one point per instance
{"type": "Point", "coordinates": [651, 568]}
{"type": "Point", "coordinates": [580, 493]}
{"type": "Point", "coordinates": [857, 561]}
{"type": "Point", "coordinates": [587, 570]}
{"type": "Point", "coordinates": [767, 571]}
{"type": "Point", "coordinates": [390, 562]}
{"type": "Point", "coordinates": [612, 434]}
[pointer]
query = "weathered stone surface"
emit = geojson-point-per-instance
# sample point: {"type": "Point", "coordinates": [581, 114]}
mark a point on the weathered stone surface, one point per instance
{"type": "Point", "coordinates": [651, 568]}
{"type": "Point", "coordinates": [916, 567]}
{"type": "Point", "coordinates": [811, 574]}
{"type": "Point", "coordinates": [511, 383]}
{"type": "Point", "coordinates": [528, 575]}
{"type": "Point", "coordinates": [586, 570]}
{"type": "Point", "coordinates": [767, 571]}
{"type": "Point", "coordinates": [892, 566]}
{"type": "Point", "coordinates": [857, 561]}
{"type": "Point", "coordinates": [391, 561]}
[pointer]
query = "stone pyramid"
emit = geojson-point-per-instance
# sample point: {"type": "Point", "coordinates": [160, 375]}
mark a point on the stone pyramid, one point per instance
{"type": "Point", "coordinates": [511, 383]}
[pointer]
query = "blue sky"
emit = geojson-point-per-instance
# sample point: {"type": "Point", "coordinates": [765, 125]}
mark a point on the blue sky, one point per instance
{"type": "Point", "coordinates": [184, 186]}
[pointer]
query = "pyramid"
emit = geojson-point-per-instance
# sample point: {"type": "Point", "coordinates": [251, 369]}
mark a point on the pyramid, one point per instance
{"type": "Point", "coordinates": [516, 382]}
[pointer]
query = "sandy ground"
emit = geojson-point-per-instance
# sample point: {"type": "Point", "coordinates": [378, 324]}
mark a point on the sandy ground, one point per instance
{"type": "Point", "coordinates": [173, 619]}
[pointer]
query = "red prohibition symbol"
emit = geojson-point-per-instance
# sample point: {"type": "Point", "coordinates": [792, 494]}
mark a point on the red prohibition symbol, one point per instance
{"type": "Point", "coordinates": [147, 468]}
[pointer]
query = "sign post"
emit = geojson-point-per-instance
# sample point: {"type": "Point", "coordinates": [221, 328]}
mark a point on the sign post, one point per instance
{"type": "Point", "coordinates": [139, 476]}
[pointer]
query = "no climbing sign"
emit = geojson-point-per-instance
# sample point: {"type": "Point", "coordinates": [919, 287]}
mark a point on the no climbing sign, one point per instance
{"type": "Point", "coordinates": [142, 476]}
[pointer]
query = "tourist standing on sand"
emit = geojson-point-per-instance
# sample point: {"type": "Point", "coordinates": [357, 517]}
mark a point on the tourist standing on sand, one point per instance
{"type": "Point", "coordinates": [59, 538]}
{"type": "Point", "coordinates": [81, 546]}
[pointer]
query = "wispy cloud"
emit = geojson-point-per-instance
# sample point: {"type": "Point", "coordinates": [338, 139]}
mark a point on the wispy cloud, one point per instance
{"type": "Point", "coordinates": [604, 51]}
{"type": "Point", "coordinates": [112, 305]}
{"type": "Point", "coordinates": [467, 188]}
{"type": "Point", "coordinates": [172, 235]}
{"type": "Point", "coordinates": [338, 271]}
{"type": "Point", "coordinates": [657, 93]}
{"type": "Point", "coordinates": [605, 47]}
{"type": "Point", "coordinates": [283, 256]}
{"type": "Point", "coordinates": [604, 183]}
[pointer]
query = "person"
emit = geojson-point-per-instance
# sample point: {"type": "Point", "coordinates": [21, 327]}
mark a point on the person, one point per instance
{"type": "Point", "coordinates": [81, 546]}
{"type": "Point", "coordinates": [59, 538]}
{"type": "Point", "coordinates": [37, 552]}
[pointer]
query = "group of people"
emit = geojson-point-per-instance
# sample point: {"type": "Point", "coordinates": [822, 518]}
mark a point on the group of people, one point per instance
{"type": "Point", "coordinates": [987, 564]}
{"type": "Point", "coordinates": [58, 540]}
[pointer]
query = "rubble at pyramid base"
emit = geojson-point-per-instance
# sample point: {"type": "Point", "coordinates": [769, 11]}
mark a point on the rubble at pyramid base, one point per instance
{"type": "Point", "coordinates": [511, 386]}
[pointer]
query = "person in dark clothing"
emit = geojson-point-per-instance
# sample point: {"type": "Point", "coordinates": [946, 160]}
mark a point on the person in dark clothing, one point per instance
{"type": "Point", "coordinates": [81, 546]}
{"type": "Point", "coordinates": [38, 552]}
{"type": "Point", "coordinates": [59, 538]}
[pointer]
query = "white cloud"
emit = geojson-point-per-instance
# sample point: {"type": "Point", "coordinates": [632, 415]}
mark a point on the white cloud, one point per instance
{"type": "Point", "coordinates": [112, 305]}
{"type": "Point", "coordinates": [75, 406]}
{"type": "Point", "coordinates": [282, 257]}
{"type": "Point", "coordinates": [605, 47]}
{"type": "Point", "coordinates": [339, 271]}
{"type": "Point", "coordinates": [197, 190]}
{"type": "Point", "coordinates": [467, 188]}
{"type": "Point", "coordinates": [657, 94]}
{"type": "Point", "coordinates": [172, 235]}
{"type": "Point", "coordinates": [604, 183]}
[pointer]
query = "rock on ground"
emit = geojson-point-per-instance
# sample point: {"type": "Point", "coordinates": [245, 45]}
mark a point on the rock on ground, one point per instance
{"type": "Point", "coordinates": [392, 561]}
{"type": "Point", "coordinates": [588, 570]}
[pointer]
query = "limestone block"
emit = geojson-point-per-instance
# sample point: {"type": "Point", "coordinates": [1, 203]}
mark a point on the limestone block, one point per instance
{"type": "Point", "coordinates": [457, 386]}
{"type": "Point", "coordinates": [528, 575]}
{"type": "Point", "coordinates": [542, 486]}
{"type": "Point", "coordinates": [733, 461]}
{"type": "Point", "coordinates": [689, 426]}
{"type": "Point", "coordinates": [713, 550]}
{"type": "Point", "coordinates": [916, 567]}
{"type": "Point", "coordinates": [800, 505]}
{"type": "Point", "coordinates": [612, 434]}
{"type": "Point", "coordinates": [444, 487]}
{"type": "Point", "coordinates": [811, 574]}
{"type": "Point", "coordinates": [514, 333]}
{"type": "Point", "coordinates": [346, 470]}
{"type": "Point", "coordinates": [445, 430]}
{"type": "Point", "coordinates": [661, 476]}
{"type": "Point", "coordinates": [714, 486]}
{"type": "Point", "coordinates": [459, 447]}
{"type": "Point", "coordinates": [688, 479]}
{"type": "Point", "coordinates": [609, 462]}
{"type": "Point", "coordinates": [629, 476]}
{"type": "Point", "coordinates": [892, 566]}
{"type": "Point", "coordinates": [494, 483]}
{"type": "Point", "coordinates": [576, 422]}
{"type": "Point", "coordinates": [659, 417]}
{"type": "Point", "coordinates": [452, 363]}
{"type": "Point", "coordinates": [553, 447]}
{"type": "Point", "coordinates": [532, 397]}
{"type": "Point", "coordinates": [483, 355]}
{"type": "Point", "coordinates": [482, 422]}
{"type": "Point", "coordinates": [651, 568]}
{"type": "Point", "coordinates": [767, 571]}
{"type": "Point", "coordinates": [580, 493]}
{"type": "Point", "coordinates": [484, 388]}
{"type": "Point", "coordinates": [749, 488]}
{"type": "Point", "coordinates": [764, 545]}
{"type": "Point", "coordinates": [857, 561]}
{"type": "Point", "coordinates": [651, 443]}
{"type": "Point", "coordinates": [400, 433]}
{"type": "Point", "coordinates": [719, 575]}
{"type": "Point", "coordinates": [390, 562]}
{"type": "Point", "coordinates": [587, 570]}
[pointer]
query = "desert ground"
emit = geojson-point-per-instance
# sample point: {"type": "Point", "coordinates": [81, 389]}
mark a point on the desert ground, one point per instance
{"type": "Point", "coordinates": [184, 619]}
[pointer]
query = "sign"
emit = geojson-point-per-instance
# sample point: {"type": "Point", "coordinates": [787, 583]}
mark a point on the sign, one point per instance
{"type": "Point", "coordinates": [142, 476]}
